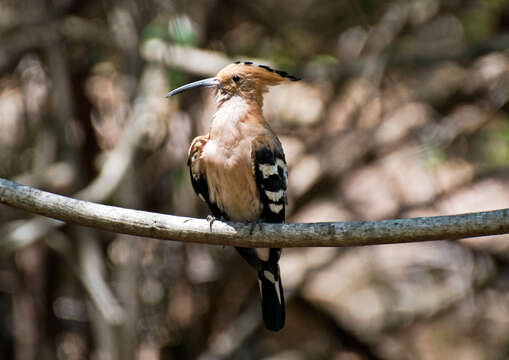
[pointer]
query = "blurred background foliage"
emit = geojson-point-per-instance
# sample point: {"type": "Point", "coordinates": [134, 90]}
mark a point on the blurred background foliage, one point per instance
{"type": "Point", "coordinates": [402, 112]}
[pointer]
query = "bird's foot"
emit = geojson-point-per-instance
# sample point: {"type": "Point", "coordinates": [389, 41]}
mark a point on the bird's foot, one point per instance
{"type": "Point", "coordinates": [254, 224]}
{"type": "Point", "coordinates": [211, 219]}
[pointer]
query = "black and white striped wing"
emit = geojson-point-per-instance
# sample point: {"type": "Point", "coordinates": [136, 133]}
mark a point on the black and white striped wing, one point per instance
{"type": "Point", "coordinates": [271, 176]}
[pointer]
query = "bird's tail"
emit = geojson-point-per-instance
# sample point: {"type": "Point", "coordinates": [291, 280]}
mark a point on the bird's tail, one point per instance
{"type": "Point", "coordinates": [271, 291]}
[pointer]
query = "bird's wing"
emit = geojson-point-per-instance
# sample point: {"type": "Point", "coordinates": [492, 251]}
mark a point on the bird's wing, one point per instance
{"type": "Point", "coordinates": [198, 176]}
{"type": "Point", "coordinates": [269, 167]}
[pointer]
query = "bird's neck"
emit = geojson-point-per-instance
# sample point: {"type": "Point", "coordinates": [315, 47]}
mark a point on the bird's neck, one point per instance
{"type": "Point", "coordinates": [231, 115]}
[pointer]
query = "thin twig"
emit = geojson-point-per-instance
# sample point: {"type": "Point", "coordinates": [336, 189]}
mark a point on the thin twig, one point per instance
{"type": "Point", "coordinates": [168, 227]}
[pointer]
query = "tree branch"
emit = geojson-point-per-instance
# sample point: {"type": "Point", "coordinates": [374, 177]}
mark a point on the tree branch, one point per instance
{"type": "Point", "coordinates": [168, 227]}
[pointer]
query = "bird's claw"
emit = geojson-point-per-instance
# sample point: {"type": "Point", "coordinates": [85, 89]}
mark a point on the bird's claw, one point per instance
{"type": "Point", "coordinates": [258, 222]}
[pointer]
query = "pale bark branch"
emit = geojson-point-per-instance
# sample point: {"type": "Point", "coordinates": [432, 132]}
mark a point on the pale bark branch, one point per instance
{"type": "Point", "coordinates": [176, 228]}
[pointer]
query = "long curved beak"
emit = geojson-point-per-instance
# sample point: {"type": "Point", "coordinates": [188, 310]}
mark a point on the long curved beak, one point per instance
{"type": "Point", "coordinates": [210, 82]}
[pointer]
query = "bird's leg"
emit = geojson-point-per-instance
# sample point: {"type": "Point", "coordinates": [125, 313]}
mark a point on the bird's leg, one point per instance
{"type": "Point", "coordinates": [257, 222]}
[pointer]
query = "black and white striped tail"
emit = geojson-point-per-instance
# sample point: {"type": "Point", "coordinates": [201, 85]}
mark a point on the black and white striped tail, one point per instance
{"type": "Point", "coordinates": [272, 297]}
{"type": "Point", "coordinates": [269, 281]}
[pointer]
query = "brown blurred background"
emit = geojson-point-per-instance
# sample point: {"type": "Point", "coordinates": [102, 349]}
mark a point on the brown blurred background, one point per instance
{"type": "Point", "coordinates": [402, 111]}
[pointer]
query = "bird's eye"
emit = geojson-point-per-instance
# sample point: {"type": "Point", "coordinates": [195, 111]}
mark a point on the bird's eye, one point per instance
{"type": "Point", "coordinates": [236, 78]}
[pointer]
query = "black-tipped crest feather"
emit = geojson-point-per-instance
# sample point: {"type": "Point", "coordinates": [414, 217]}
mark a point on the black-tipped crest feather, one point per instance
{"type": "Point", "coordinates": [281, 73]}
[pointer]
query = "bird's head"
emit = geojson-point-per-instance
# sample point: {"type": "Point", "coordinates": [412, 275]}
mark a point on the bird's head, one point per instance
{"type": "Point", "coordinates": [243, 79]}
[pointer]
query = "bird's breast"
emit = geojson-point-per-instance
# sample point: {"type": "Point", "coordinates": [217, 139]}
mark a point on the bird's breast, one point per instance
{"type": "Point", "coordinates": [231, 181]}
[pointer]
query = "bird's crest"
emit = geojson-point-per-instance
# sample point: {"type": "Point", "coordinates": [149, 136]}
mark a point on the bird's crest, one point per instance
{"type": "Point", "coordinates": [263, 74]}
{"type": "Point", "coordinates": [281, 73]}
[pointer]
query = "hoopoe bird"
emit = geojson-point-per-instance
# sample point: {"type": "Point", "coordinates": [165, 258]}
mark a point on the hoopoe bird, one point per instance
{"type": "Point", "coordinates": [239, 168]}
